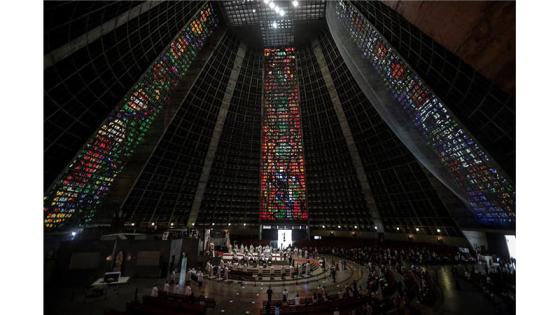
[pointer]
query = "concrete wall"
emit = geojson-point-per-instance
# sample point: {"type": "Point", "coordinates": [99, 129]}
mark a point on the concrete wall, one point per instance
{"type": "Point", "coordinates": [497, 244]}
{"type": "Point", "coordinates": [482, 33]}
{"type": "Point", "coordinates": [477, 239]}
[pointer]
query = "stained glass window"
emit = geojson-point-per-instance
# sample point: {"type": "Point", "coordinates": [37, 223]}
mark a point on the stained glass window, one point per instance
{"type": "Point", "coordinates": [282, 166]}
{"type": "Point", "coordinates": [489, 192]}
{"type": "Point", "coordinates": [88, 178]}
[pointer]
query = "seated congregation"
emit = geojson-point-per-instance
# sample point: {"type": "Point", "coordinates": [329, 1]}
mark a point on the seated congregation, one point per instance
{"type": "Point", "coordinates": [395, 278]}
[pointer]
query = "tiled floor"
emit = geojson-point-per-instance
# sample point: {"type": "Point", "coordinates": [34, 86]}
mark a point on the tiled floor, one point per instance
{"type": "Point", "coordinates": [231, 297]}
{"type": "Point", "coordinates": [461, 298]}
{"type": "Point", "coordinates": [247, 298]}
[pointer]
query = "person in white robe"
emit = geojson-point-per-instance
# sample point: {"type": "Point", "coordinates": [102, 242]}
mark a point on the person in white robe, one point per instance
{"type": "Point", "coordinates": [209, 270]}
{"type": "Point", "coordinates": [155, 291]}
{"type": "Point", "coordinates": [177, 289]}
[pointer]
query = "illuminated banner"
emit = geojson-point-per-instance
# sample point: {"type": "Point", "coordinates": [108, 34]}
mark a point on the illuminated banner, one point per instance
{"type": "Point", "coordinates": [87, 180]}
{"type": "Point", "coordinates": [282, 165]}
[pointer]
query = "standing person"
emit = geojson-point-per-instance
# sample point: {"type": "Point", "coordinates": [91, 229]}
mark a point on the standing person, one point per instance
{"type": "Point", "coordinates": [177, 288]}
{"type": "Point", "coordinates": [154, 291]}
{"type": "Point", "coordinates": [296, 299]}
{"type": "Point", "coordinates": [269, 300]}
{"type": "Point", "coordinates": [285, 295]}
{"type": "Point", "coordinates": [355, 288]}
{"type": "Point", "coordinates": [209, 269]}
{"type": "Point", "coordinates": [226, 273]}
{"type": "Point", "coordinates": [269, 293]}
{"type": "Point", "coordinates": [323, 293]}
{"type": "Point", "coordinates": [166, 287]}
{"type": "Point", "coordinates": [333, 273]}
{"type": "Point", "coordinates": [320, 298]}
{"type": "Point", "coordinates": [199, 278]}
{"type": "Point", "coordinates": [188, 291]}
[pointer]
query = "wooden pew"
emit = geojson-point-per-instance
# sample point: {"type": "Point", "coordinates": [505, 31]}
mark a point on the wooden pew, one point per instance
{"type": "Point", "coordinates": [171, 305]}
{"type": "Point", "coordinates": [209, 302]}
{"type": "Point", "coordinates": [241, 275]}
{"type": "Point", "coordinates": [319, 308]}
{"type": "Point", "coordinates": [142, 309]}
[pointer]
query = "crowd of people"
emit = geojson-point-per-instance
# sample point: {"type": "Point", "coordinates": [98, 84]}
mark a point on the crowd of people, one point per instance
{"type": "Point", "coordinates": [289, 263]}
{"type": "Point", "coordinates": [174, 285]}
{"type": "Point", "coordinates": [222, 269]}
{"type": "Point", "coordinates": [495, 278]}
{"type": "Point", "coordinates": [401, 274]}
{"type": "Point", "coordinates": [397, 277]}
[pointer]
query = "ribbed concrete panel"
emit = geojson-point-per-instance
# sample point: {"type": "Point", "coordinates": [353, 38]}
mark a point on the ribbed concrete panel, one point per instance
{"type": "Point", "coordinates": [126, 180]}
{"type": "Point", "coordinates": [83, 40]}
{"type": "Point", "coordinates": [216, 134]}
{"type": "Point", "coordinates": [356, 160]}
{"type": "Point", "coordinates": [165, 189]}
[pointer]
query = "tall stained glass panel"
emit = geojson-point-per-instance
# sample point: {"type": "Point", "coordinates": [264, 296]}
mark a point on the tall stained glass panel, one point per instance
{"type": "Point", "coordinates": [88, 178]}
{"type": "Point", "coordinates": [283, 195]}
{"type": "Point", "coordinates": [490, 194]}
